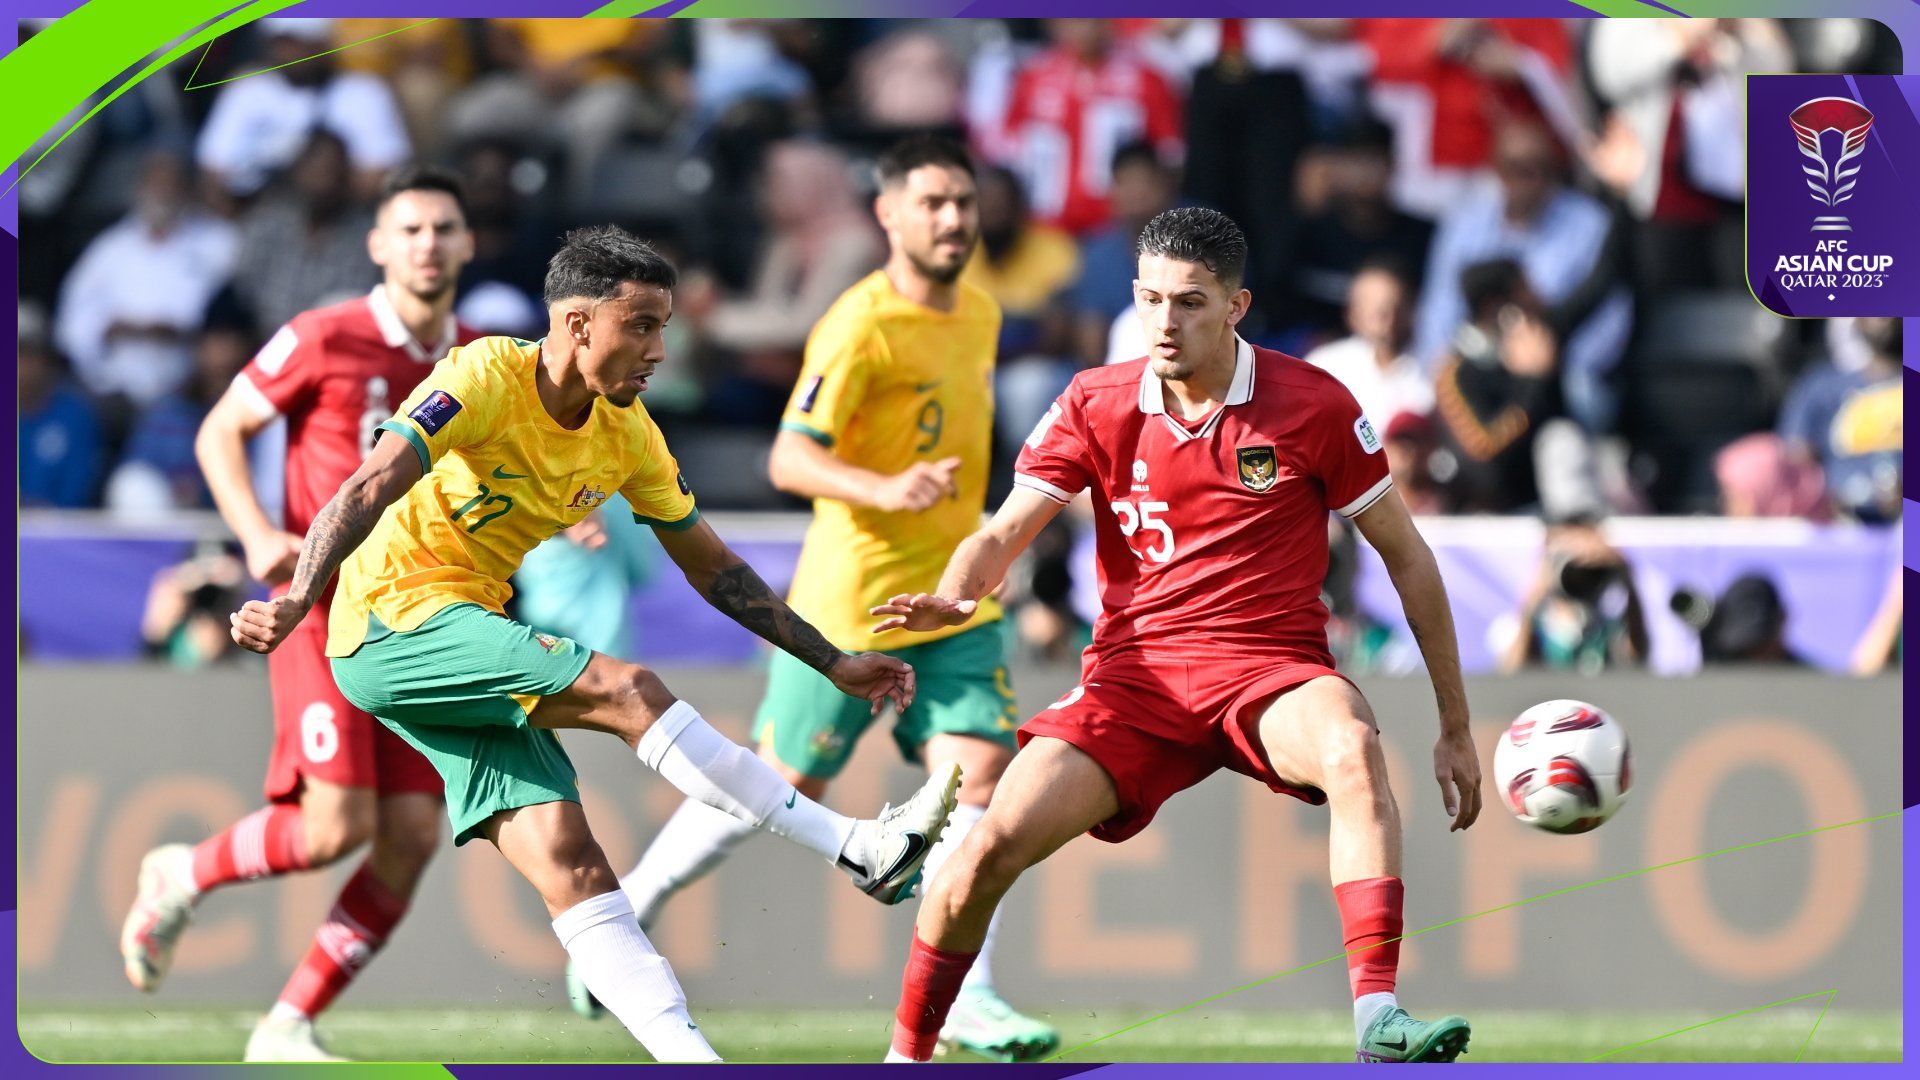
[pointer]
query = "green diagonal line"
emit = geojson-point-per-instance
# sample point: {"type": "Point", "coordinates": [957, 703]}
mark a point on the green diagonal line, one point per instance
{"type": "Point", "coordinates": [1625, 9]}
{"type": "Point", "coordinates": [1508, 906]}
{"type": "Point", "coordinates": [622, 9]}
{"type": "Point", "coordinates": [1816, 1025]}
{"type": "Point", "coordinates": [1828, 994]}
{"type": "Point", "coordinates": [191, 85]}
{"type": "Point", "coordinates": [239, 17]}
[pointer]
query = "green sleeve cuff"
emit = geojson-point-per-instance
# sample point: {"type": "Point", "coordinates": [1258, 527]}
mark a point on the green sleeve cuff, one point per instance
{"type": "Point", "coordinates": [682, 525]}
{"type": "Point", "coordinates": [413, 437]}
{"type": "Point", "coordinates": [820, 437]}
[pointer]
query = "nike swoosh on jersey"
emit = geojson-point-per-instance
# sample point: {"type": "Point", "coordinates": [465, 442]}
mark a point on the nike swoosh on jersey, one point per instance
{"type": "Point", "coordinates": [500, 473]}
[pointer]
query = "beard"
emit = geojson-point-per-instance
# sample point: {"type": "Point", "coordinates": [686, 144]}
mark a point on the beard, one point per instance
{"type": "Point", "coordinates": [944, 275]}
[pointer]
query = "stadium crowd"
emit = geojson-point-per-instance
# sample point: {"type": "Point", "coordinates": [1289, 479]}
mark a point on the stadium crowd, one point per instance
{"type": "Point", "coordinates": [1518, 242]}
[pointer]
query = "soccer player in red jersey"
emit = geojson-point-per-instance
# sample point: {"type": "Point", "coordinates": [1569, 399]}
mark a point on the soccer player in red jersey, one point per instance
{"type": "Point", "coordinates": [1212, 465]}
{"type": "Point", "coordinates": [337, 779]}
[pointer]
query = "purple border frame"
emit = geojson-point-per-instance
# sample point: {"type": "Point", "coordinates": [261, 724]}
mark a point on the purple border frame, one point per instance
{"type": "Point", "coordinates": [14, 1058]}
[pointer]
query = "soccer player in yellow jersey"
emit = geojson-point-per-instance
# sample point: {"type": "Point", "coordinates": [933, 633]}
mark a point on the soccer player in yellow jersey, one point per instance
{"type": "Point", "coordinates": [506, 443]}
{"type": "Point", "coordinates": [889, 432]}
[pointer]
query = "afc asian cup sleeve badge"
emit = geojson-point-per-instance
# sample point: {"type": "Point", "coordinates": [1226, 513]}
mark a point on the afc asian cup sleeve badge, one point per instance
{"type": "Point", "coordinates": [548, 641]}
{"type": "Point", "coordinates": [434, 411]}
{"type": "Point", "coordinates": [1259, 468]}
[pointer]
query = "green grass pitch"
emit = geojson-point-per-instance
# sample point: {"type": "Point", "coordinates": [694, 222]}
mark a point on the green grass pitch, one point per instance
{"type": "Point", "coordinates": [555, 1034]}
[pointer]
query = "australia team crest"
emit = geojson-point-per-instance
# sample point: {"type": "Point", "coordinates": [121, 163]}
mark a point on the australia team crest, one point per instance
{"type": "Point", "coordinates": [1259, 468]}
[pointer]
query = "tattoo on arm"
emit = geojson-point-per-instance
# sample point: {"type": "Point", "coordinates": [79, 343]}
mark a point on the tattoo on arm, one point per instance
{"type": "Point", "coordinates": [742, 596]}
{"type": "Point", "coordinates": [339, 528]}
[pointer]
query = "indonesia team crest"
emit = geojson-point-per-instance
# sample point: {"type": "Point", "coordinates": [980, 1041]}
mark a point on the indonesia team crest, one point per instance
{"type": "Point", "coordinates": [1259, 468]}
{"type": "Point", "coordinates": [1831, 173]}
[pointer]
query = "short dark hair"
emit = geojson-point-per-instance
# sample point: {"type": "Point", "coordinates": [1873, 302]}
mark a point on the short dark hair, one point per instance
{"type": "Point", "coordinates": [422, 178]}
{"type": "Point", "coordinates": [1137, 152]}
{"type": "Point", "coordinates": [1490, 284]}
{"type": "Point", "coordinates": [594, 263]}
{"type": "Point", "coordinates": [1198, 235]}
{"type": "Point", "coordinates": [916, 151]}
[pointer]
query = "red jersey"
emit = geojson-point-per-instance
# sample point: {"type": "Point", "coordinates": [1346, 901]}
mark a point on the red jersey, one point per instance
{"type": "Point", "coordinates": [1468, 107]}
{"type": "Point", "coordinates": [1211, 535]}
{"type": "Point", "coordinates": [335, 373]}
{"type": "Point", "coordinates": [1066, 118]}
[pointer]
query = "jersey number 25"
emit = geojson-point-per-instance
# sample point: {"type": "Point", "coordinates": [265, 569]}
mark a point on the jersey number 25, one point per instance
{"type": "Point", "coordinates": [1140, 518]}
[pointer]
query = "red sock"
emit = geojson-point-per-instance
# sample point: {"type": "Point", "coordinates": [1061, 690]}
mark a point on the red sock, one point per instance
{"type": "Point", "coordinates": [1370, 914]}
{"type": "Point", "coordinates": [358, 925]}
{"type": "Point", "coordinates": [927, 990]}
{"type": "Point", "coordinates": [269, 841]}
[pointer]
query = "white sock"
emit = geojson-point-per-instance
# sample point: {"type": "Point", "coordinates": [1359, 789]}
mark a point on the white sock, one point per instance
{"type": "Point", "coordinates": [694, 840]}
{"type": "Point", "coordinates": [714, 769]}
{"type": "Point", "coordinates": [965, 816]}
{"type": "Point", "coordinates": [633, 981]}
{"type": "Point", "coordinates": [895, 1057]}
{"type": "Point", "coordinates": [1367, 1008]}
{"type": "Point", "coordinates": [285, 1013]}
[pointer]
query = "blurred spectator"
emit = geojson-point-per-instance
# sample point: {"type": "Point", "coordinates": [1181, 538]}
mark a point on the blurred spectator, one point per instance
{"type": "Point", "coordinates": [1411, 441]}
{"type": "Point", "coordinates": [1760, 478]}
{"type": "Point", "coordinates": [1582, 613]}
{"type": "Point", "coordinates": [1023, 264]}
{"type": "Point", "coordinates": [1346, 220]}
{"type": "Point", "coordinates": [1495, 386]}
{"type": "Point", "coordinates": [1070, 109]}
{"type": "Point", "coordinates": [1558, 235]}
{"type": "Point", "coordinates": [1852, 424]}
{"type": "Point", "coordinates": [60, 444]}
{"type": "Point", "coordinates": [262, 122]}
{"type": "Point", "coordinates": [161, 441]}
{"type": "Point", "coordinates": [737, 60]}
{"type": "Point", "coordinates": [307, 245]}
{"type": "Point", "coordinates": [422, 60]}
{"type": "Point", "coordinates": [1360, 643]}
{"type": "Point", "coordinates": [573, 85]}
{"type": "Point", "coordinates": [1373, 362]}
{"type": "Point", "coordinates": [1448, 85]}
{"type": "Point", "coordinates": [1675, 143]}
{"type": "Point", "coordinates": [129, 307]}
{"type": "Point", "coordinates": [1748, 625]}
{"type": "Point", "coordinates": [1143, 186]}
{"type": "Point", "coordinates": [908, 80]}
{"type": "Point", "coordinates": [1881, 642]}
{"type": "Point", "coordinates": [511, 238]}
{"type": "Point", "coordinates": [185, 622]}
{"type": "Point", "coordinates": [820, 241]}
{"type": "Point", "coordinates": [494, 307]}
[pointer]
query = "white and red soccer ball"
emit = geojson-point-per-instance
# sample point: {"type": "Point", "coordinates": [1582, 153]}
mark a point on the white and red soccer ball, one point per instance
{"type": "Point", "coordinates": [1563, 766]}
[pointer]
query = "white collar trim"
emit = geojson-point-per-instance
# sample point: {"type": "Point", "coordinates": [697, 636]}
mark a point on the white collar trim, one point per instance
{"type": "Point", "coordinates": [397, 336]}
{"type": "Point", "coordinates": [1153, 398]}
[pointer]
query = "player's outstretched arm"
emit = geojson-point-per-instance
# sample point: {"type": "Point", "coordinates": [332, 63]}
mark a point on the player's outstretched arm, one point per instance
{"type": "Point", "coordinates": [221, 447]}
{"type": "Point", "coordinates": [978, 566]}
{"type": "Point", "coordinates": [341, 526]}
{"type": "Point", "coordinates": [734, 589]}
{"type": "Point", "coordinates": [1416, 577]}
{"type": "Point", "coordinates": [801, 466]}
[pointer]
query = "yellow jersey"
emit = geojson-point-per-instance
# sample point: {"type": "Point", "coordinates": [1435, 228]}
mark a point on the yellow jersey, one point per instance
{"type": "Point", "coordinates": [886, 383]}
{"type": "Point", "coordinates": [502, 475]}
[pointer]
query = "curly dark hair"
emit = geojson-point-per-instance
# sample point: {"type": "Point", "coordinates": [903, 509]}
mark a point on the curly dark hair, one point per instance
{"type": "Point", "coordinates": [593, 262]}
{"type": "Point", "coordinates": [1198, 235]}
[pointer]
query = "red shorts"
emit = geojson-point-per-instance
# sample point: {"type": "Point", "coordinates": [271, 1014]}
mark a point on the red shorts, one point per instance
{"type": "Point", "coordinates": [317, 733]}
{"type": "Point", "coordinates": [1161, 727]}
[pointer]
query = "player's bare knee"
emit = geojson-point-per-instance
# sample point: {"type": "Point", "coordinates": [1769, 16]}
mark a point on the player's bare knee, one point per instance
{"type": "Point", "coordinates": [988, 864]}
{"type": "Point", "coordinates": [332, 836]}
{"type": "Point", "coordinates": [1352, 768]}
{"type": "Point", "coordinates": [643, 696]}
{"type": "Point", "coordinates": [409, 841]}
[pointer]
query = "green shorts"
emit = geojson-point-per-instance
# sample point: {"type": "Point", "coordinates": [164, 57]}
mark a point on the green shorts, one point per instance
{"type": "Point", "coordinates": [962, 689]}
{"type": "Point", "coordinates": [459, 690]}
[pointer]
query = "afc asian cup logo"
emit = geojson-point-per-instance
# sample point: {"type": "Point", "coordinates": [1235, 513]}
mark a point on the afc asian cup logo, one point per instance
{"type": "Point", "coordinates": [1831, 181]}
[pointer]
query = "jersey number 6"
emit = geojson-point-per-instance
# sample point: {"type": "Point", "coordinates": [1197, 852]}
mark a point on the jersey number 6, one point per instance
{"type": "Point", "coordinates": [1133, 519]}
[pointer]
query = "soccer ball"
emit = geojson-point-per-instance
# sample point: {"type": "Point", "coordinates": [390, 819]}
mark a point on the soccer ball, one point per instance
{"type": "Point", "coordinates": [1563, 766]}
